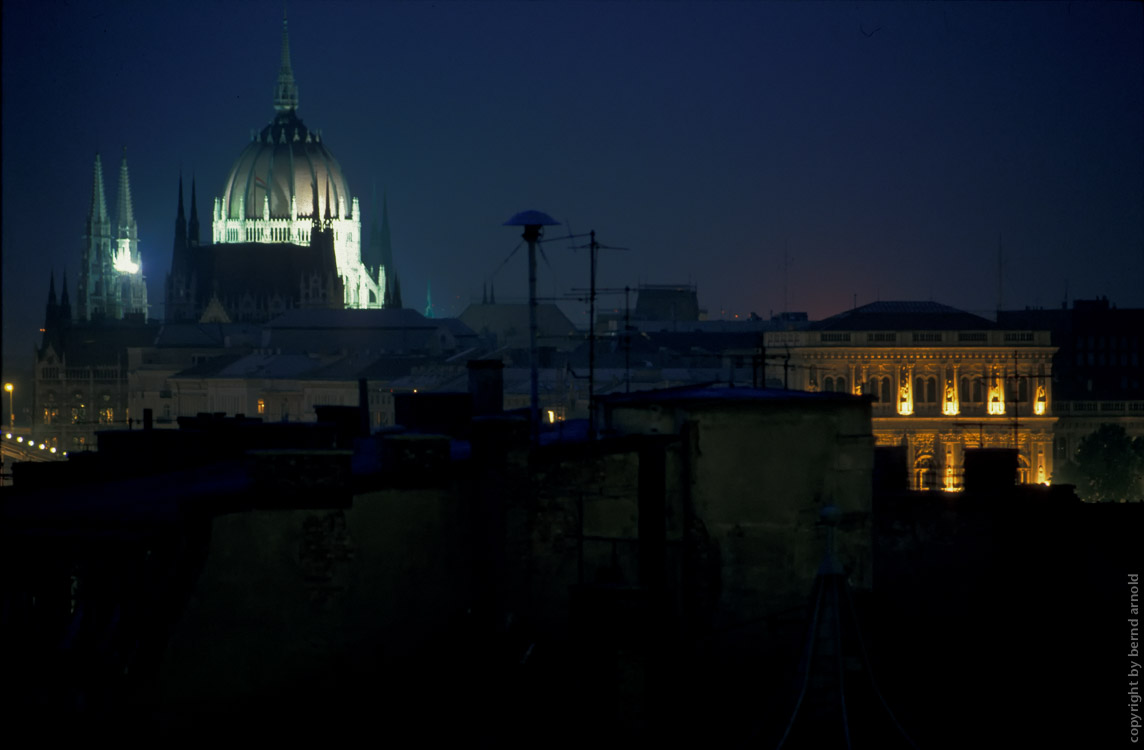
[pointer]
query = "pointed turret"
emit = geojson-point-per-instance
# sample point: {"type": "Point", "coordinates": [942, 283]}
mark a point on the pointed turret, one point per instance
{"type": "Point", "coordinates": [65, 303]}
{"type": "Point", "coordinates": [125, 215]}
{"type": "Point", "coordinates": [327, 216]}
{"type": "Point", "coordinates": [193, 225]}
{"type": "Point", "coordinates": [98, 210]}
{"type": "Point", "coordinates": [52, 304]}
{"type": "Point", "coordinates": [51, 313]}
{"type": "Point", "coordinates": [97, 251]}
{"type": "Point", "coordinates": [286, 92]}
{"type": "Point", "coordinates": [180, 219]}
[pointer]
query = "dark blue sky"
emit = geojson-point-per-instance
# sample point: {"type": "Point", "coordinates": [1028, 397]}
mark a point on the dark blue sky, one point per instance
{"type": "Point", "coordinates": [884, 149]}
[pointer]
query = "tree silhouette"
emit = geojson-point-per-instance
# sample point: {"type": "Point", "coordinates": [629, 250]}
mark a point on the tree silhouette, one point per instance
{"type": "Point", "coordinates": [1108, 467]}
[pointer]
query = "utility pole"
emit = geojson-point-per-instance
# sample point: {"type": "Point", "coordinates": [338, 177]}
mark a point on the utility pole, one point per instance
{"type": "Point", "coordinates": [627, 342]}
{"type": "Point", "coordinates": [533, 223]}
{"type": "Point", "coordinates": [593, 248]}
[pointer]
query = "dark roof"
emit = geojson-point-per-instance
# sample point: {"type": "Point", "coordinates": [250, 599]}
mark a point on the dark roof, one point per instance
{"type": "Point", "coordinates": [904, 316]}
{"type": "Point", "coordinates": [716, 394]}
{"type": "Point", "coordinates": [207, 334]}
{"type": "Point", "coordinates": [667, 303]}
{"type": "Point", "coordinates": [209, 367]}
{"type": "Point", "coordinates": [343, 319]}
{"type": "Point", "coordinates": [104, 343]}
{"type": "Point", "coordinates": [509, 323]}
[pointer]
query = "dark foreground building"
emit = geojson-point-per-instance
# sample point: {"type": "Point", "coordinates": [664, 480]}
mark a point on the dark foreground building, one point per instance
{"type": "Point", "coordinates": [274, 581]}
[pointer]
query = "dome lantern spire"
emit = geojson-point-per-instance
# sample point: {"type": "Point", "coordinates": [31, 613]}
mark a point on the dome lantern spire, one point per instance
{"type": "Point", "coordinates": [286, 92]}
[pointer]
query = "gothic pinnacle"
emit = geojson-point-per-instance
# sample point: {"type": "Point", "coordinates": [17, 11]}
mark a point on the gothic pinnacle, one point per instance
{"type": "Point", "coordinates": [98, 201]}
{"type": "Point", "coordinates": [126, 211]}
{"type": "Point", "coordinates": [286, 92]}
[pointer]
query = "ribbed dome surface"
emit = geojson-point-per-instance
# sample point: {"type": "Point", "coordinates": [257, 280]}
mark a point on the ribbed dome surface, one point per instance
{"type": "Point", "coordinates": [287, 159]}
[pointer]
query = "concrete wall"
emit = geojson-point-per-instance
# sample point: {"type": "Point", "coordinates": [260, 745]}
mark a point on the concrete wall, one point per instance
{"type": "Point", "coordinates": [294, 604]}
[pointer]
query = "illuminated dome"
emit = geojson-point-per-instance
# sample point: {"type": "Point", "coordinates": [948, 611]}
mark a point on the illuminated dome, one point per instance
{"type": "Point", "coordinates": [287, 188]}
{"type": "Point", "coordinates": [284, 162]}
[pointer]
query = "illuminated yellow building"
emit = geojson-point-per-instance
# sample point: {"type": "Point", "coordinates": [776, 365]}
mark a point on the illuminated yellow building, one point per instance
{"type": "Point", "coordinates": [942, 380]}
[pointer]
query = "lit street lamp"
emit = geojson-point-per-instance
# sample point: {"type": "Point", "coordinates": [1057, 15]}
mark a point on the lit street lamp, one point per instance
{"type": "Point", "coordinates": [11, 407]}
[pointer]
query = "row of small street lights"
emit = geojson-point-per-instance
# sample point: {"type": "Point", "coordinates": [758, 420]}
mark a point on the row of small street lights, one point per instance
{"type": "Point", "coordinates": [32, 444]}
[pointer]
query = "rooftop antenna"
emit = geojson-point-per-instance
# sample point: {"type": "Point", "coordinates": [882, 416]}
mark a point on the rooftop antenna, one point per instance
{"type": "Point", "coordinates": [786, 302]}
{"type": "Point", "coordinates": [533, 223]}
{"type": "Point", "coordinates": [593, 248]}
{"type": "Point", "coordinates": [627, 342]}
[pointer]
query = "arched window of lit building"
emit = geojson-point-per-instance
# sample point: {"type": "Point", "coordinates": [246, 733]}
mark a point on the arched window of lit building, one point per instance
{"type": "Point", "coordinates": [828, 384]}
{"type": "Point", "coordinates": [919, 389]}
{"type": "Point", "coordinates": [872, 389]}
{"type": "Point", "coordinates": [965, 390]}
{"type": "Point", "coordinates": [840, 385]}
{"type": "Point", "coordinates": [931, 391]}
{"type": "Point", "coordinates": [978, 396]}
{"type": "Point", "coordinates": [886, 391]}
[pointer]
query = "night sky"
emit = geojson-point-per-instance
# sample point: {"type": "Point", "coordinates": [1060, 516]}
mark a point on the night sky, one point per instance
{"type": "Point", "coordinates": [877, 151]}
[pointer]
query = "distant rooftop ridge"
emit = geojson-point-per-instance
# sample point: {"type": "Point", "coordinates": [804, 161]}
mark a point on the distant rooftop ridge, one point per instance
{"type": "Point", "coordinates": [904, 316]}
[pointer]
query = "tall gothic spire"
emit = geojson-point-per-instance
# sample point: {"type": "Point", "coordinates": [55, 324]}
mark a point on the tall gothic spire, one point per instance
{"type": "Point", "coordinates": [126, 212]}
{"type": "Point", "coordinates": [98, 210]}
{"type": "Point", "coordinates": [286, 92]}
{"type": "Point", "coordinates": [65, 303]}
{"type": "Point", "coordinates": [193, 227]}
{"type": "Point", "coordinates": [180, 217]}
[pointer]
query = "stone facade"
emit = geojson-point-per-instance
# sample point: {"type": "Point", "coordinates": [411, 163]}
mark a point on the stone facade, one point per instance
{"type": "Point", "coordinates": [941, 381]}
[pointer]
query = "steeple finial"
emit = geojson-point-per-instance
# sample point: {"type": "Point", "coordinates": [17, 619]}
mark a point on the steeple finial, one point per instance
{"type": "Point", "coordinates": [126, 211]}
{"type": "Point", "coordinates": [286, 92]}
{"type": "Point", "coordinates": [327, 216]}
{"type": "Point", "coordinates": [180, 216]}
{"type": "Point", "coordinates": [180, 221]}
{"type": "Point", "coordinates": [98, 210]}
{"type": "Point", "coordinates": [65, 303]}
{"type": "Point", "coordinates": [193, 226]}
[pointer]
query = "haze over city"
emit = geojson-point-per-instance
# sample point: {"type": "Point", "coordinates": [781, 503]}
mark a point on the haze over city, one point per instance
{"type": "Point", "coordinates": [872, 150]}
